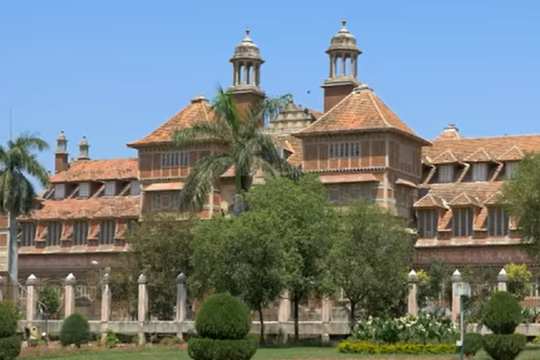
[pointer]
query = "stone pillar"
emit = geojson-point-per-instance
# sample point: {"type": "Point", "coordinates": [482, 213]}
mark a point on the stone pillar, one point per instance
{"type": "Point", "coordinates": [31, 299]}
{"type": "Point", "coordinates": [284, 314]}
{"type": "Point", "coordinates": [412, 300]}
{"type": "Point", "coordinates": [69, 295]}
{"type": "Point", "coordinates": [2, 283]}
{"type": "Point", "coordinates": [106, 297]}
{"type": "Point", "coordinates": [326, 314]}
{"type": "Point", "coordinates": [181, 298]}
{"type": "Point", "coordinates": [354, 65]}
{"type": "Point", "coordinates": [456, 304]}
{"type": "Point", "coordinates": [502, 280]}
{"type": "Point", "coordinates": [142, 307]}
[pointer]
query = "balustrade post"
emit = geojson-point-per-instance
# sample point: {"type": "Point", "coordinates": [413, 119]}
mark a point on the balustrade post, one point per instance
{"type": "Point", "coordinates": [106, 298]}
{"type": "Point", "coordinates": [69, 295]}
{"type": "Point", "coordinates": [412, 300]}
{"type": "Point", "coordinates": [31, 299]}
{"type": "Point", "coordinates": [502, 280]}
{"type": "Point", "coordinates": [142, 307]}
{"type": "Point", "coordinates": [456, 303]}
{"type": "Point", "coordinates": [181, 298]}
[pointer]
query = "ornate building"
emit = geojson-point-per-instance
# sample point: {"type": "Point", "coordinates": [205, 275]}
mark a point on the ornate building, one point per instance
{"type": "Point", "coordinates": [360, 148]}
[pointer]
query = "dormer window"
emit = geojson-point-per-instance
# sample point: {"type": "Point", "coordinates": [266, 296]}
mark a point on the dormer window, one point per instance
{"type": "Point", "coordinates": [446, 173]}
{"type": "Point", "coordinates": [59, 191]}
{"type": "Point", "coordinates": [84, 190]}
{"type": "Point", "coordinates": [498, 221]}
{"type": "Point", "coordinates": [510, 169]}
{"type": "Point", "coordinates": [479, 172]}
{"type": "Point", "coordinates": [427, 223]}
{"type": "Point", "coordinates": [462, 221]}
{"type": "Point", "coordinates": [110, 188]}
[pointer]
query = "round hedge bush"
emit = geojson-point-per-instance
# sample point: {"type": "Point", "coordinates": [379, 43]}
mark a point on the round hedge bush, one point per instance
{"type": "Point", "coordinates": [504, 347]}
{"type": "Point", "coordinates": [223, 317]}
{"type": "Point", "coordinates": [212, 349]}
{"type": "Point", "coordinates": [8, 319]}
{"type": "Point", "coordinates": [75, 331]}
{"type": "Point", "coordinates": [502, 313]}
{"type": "Point", "coordinates": [10, 347]}
{"type": "Point", "coordinates": [472, 343]}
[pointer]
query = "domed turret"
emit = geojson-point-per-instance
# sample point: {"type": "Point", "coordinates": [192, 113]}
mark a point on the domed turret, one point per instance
{"type": "Point", "coordinates": [246, 62]}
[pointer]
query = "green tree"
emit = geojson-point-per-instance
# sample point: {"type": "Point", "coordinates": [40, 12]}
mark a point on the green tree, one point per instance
{"type": "Point", "coordinates": [161, 249]}
{"type": "Point", "coordinates": [247, 148]}
{"type": "Point", "coordinates": [521, 197]}
{"type": "Point", "coordinates": [18, 162]}
{"type": "Point", "coordinates": [305, 223]}
{"type": "Point", "coordinates": [50, 300]}
{"type": "Point", "coordinates": [519, 280]}
{"type": "Point", "coordinates": [241, 255]}
{"type": "Point", "coordinates": [369, 260]}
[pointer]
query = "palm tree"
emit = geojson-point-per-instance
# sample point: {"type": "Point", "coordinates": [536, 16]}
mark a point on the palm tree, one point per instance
{"type": "Point", "coordinates": [247, 148]}
{"type": "Point", "coordinates": [17, 162]}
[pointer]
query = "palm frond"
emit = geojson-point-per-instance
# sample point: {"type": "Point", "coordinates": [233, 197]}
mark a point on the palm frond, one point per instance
{"type": "Point", "coordinates": [226, 110]}
{"type": "Point", "coordinates": [202, 177]}
{"type": "Point", "coordinates": [202, 131]}
{"type": "Point", "coordinates": [30, 142]}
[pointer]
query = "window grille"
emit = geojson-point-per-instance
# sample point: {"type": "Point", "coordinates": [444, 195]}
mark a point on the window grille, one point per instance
{"type": "Point", "coordinates": [427, 223]}
{"type": "Point", "coordinates": [28, 234]}
{"type": "Point", "coordinates": [84, 190]}
{"type": "Point", "coordinates": [80, 232]}
{"type": "Point", "coordinates": [446, 173]}
{"type": "Point", "coordinates": [498, 221]}
{"type": "Point", "coordinates": [54, 231]}
{"type": "Point", "coordinates": [480, 172]}
{"type": "Point", "coordinates": [106, 233]}
{"type": "Point", "coordinates": [59, 191]}
{"type": "Point", "coordinates": [462, 221]}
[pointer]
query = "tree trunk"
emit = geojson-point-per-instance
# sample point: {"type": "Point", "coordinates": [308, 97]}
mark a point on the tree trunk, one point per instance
{"type": "Point", "coordinates": [13, 267]}
{"type": "Point", "coordinates": [352, 318]}
{"type": "Point", "coordinates": [296, 307]}
{"type": "Point", "coordinates": [261, 320]}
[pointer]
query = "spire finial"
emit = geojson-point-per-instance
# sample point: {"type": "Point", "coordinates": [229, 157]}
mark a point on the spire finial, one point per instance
{"type": "Point", "coordinates": [248, 31]}
{"type": "Point", "coordinates": [343, 22]}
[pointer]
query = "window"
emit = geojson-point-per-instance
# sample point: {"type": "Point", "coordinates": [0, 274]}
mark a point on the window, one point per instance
{"type": "Point", "coordinates": [498, 221]}
{"type": "Point", "coordinates": [510, 169]}
{"type": "Point", "coordinates": [84, 190]}
{"type": "Point", "coordinates": [343, 150]}
{"type": "Point", "coordinates": [28, 234]}
{"type": "Point", "coordinates": [54, 231]}
{"type": "Point", "coordinates": [135, 188]}
{"type": "Point", "coordinates": [427, 223]}
{"type": "Point", "coordinates": [479, 172]}
{"type": "Point", "coordinates": [59, 191]}
{"type": "Point", "coordinates": [110, 188]}
{"type": "Point", "coordinates": [106, 233]}
{"type": "Point", "coordinates": [175, 158]}
{"type": "Point", "coordinates": [348, 193]}
{"type": "Point", "coordinates": [166, 200]}
{"type": "Point", "coordinates": [462, 221]}
{"type": "Point", "coordinates": [446, 173]}
{"type": "Point", "coordinates": [80, 232]}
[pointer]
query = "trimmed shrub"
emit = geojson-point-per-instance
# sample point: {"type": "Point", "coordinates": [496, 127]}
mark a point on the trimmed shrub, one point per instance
{"type": "Point", "coordinates": [75, 331]}
{"type": "Point", "coordinates": [502, 313]}
{"type": "Point", "coordinates": [223, 317]}
{"type": "Point", "coordinates": [215, 349]}
{"type": "Point", "coordinates": [504, 347]}
{"type": "Point", "coordinates": [472, 343]}
{"type": "Point", "coordinates": [8, 319]}
{"type": "Point", "coordinates": [111, 340]}
{"type": "Point", "coordinates": [371, 347]}
{"type": "Point", "coordinates": [10, 347]}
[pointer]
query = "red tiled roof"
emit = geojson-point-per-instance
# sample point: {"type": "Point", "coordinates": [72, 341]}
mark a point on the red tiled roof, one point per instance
{"type": "Point", "coordinates": [198, 110]}
{"type": "Point", "coordinates": [293, 145]}
{"type": "Point", "coordinates": [168, 186]}
{"type": "Point", "coordinates": [361, 110]}
{"type": "Point", "coordinates": [465, 199]}
{"type": "Point", "coordinates": [504, 148]}
{"type": "Point", "coordinates": [103, 207]}
{"type": "Point", "coordinates": [480, 191]}
{"type": "Point", "coordinates": [430, 201]}
{"type": "Point", "coordinates": [94, 170]}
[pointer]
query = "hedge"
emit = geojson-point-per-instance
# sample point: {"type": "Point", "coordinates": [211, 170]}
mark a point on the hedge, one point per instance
{"type": "Point", "coordinates": [370, 347]}
{"type": "Point", "coordinates": [504, 347]}
{"type": "Point", "coordinates": [212, 349]}
{"type": "Point", "coordinates": [10, 347]}
{"type": "Point", "coordinates": [8, 319]}
{"type": "Point", "coordinates": [75, 330]}
{"type": "Point", "coordinates": [223, 317]}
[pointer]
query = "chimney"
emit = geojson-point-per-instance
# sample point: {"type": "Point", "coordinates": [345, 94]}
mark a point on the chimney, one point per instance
{"type": "Point", "coordinates": [61, 162]}
{"type": "Point", "coordinates": [83, 149]}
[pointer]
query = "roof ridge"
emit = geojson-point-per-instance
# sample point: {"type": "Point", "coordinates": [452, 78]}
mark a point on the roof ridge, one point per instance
{"type": "Point", "coordinates": [370, 94]}
{"type": "Point", "coordinates": [326, 113]}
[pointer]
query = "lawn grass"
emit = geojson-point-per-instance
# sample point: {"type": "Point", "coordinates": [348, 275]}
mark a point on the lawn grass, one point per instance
{"type": "Point", "coordinates": [312, 353]}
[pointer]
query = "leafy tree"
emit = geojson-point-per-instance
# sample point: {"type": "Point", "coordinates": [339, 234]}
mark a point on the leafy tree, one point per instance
{"type": "Point", "coordinates": [521, 197]}
{"type": "Point", "coordinates": [519, 280]}
{"type": "Point", "coordinates": [247, 148]}
{"type": "Point", "coordinates": [161, 249]}
{"type": "Point", "coordinates": [431, 282]}
{"type": "Point", "coordinates": [369, 260]}
{"type": "Point", "coordinates": [50, 300]}
{"type": "Point", "coordinates": [305, 223]}
{"type": "Point", "coordinates": [17, 162]}
{"type": "Point", "coordinates": [241, 255]}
